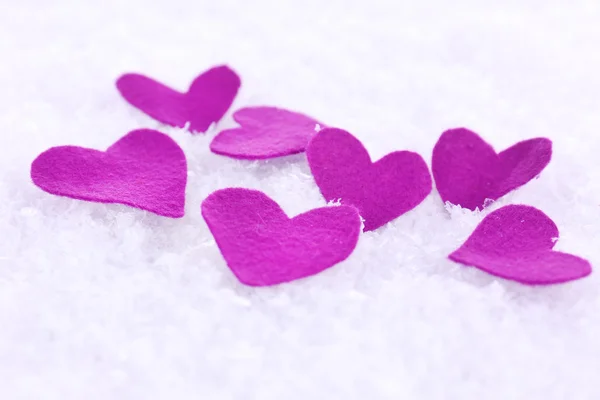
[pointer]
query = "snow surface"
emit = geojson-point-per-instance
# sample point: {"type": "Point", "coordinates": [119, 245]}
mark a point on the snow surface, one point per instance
{"type": "Point", "coordinates": [108, 302]}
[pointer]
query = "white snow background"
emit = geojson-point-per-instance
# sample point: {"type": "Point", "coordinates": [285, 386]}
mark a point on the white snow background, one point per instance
{"type": "Point", "coordinates": [109, 302]}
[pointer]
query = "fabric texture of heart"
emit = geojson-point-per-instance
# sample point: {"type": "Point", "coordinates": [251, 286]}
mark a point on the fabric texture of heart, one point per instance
{"type": "Point", "coordinates": [382, 191]}
{"type": "Point", "coordinates": [263, 247]}
{"type": "Point", "coordinates": [145, 169]}
{"type": "Point", "coordinates": [515, 242]}
{"type": "Point", "coordinates": [467, 170]}
{"type": "Point", "coordinates": [209, 97]}
{"type": "Point", "coordinates": [265, 132]}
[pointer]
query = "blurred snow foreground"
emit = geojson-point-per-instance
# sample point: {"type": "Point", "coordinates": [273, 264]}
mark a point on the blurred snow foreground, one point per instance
{"type": "Point", "coordinates": [109, 302]}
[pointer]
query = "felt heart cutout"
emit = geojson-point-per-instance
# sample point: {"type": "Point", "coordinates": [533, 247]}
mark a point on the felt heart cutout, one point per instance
{"type": "Point", "coordinates": [209, 97]}
{"type": "Point", "coordinates": [382, 191]}
{"type": "Point", "coordinates": [515, 242]}
{"type": "Point", "coordinates": [467, 170]}
{"type": "Point", "coordinates": [265, 132]}
{"type": "Point", "coordinates": [263, 247]}
{"type": "Point", "coordinates": [145, 169]}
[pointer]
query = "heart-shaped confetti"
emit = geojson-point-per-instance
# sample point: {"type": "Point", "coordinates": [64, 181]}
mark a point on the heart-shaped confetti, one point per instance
{"type": "Point", "coordinates": [382, 191]}
{"type": "Point", "coordinates": [515, 242]}
{"type": "Point", "coordinates": [263, 247]}
{"type": "Point", "coordinates": [265, 132]}
{"type": "Point", "coordinates": [145, 169]}
{"type": "Point", "coordinates": [209, 97]}
{"type": "Point", "coordinates": [467, 170]}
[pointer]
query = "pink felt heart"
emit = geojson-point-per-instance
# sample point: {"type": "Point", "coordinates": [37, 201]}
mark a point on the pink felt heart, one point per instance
{"type": "Point", "coordinates": [144, 169]}
{"type": "Point", "coordinates": [209, 97]}
{"type": "Point", "coordinates": [263, 247]}
{"type": "Point", "coordinates": [265, 132]}
{"type": "Point", "coordinates": [467, 170]}
{"type": "Point", "coordinates": [515, 242]}
{"type": "Point", "coordinates": [382, 191]}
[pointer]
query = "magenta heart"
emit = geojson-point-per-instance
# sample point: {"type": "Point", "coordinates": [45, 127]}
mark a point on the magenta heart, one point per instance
{"type": "Point", "coordinates": [209, 97]}
{"type": "Point", "coordinates": [263, 247]}
{"type": "Point", "coordinates": [265, 132]}
{"type": "Point", "coordinates": [382, 191]}
{"type": "Point", "coordinates": [515, 242]}
{"type": "Point", "coordinates": [145, 169]}
{"type": "Point", "coordinates": [467, 170]}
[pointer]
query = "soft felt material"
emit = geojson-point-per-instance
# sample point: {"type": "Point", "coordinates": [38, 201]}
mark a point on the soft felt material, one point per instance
{"type": "Point", "coordinates": [262, 246]}
{"type": "Point", "coordinates": [265, 132]}
{"type": "Point", "coordinates": [112, 303]}
{"type": "Point", "coordinates": [144, 169]}
{"type": "Point", "coordinates": [209, 97]}
{"type": "Point", "coordinates": [382, 191]}
{"type": "Point", "coordinates": [515, 242]}
{"type": "Point", "coordinates": [467, 170]}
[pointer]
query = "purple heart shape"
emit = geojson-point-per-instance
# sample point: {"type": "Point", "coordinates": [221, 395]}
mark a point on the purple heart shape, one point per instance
{"type": "Point", "coordinates": [467, 170]}
{"type": "Point", "coordinates": [263, 247]}
{"type": "Point", "coordinates": [382, 191]}
{"type": "Point", "coordinates": [515, 242]}
{"type": "Point", "coordinates": [265, 132]}
{"type": "Point", "coordinates": [145, 169]}
{"type": "Point", "coordinates": [209, 97]}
